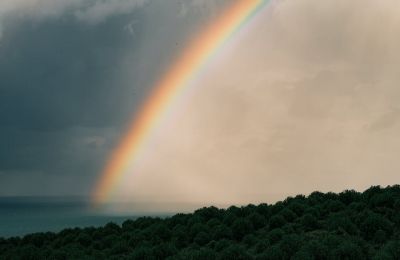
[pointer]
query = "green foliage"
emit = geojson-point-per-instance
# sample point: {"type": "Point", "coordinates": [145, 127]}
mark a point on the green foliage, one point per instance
{"type": "Point", "coordinates": [202, 238]}
{"type": "Point", "coordinates": [348, 225]}
{"type": "Point", "coordinates": [309, 222]}
{"type": "Point", "coordinates": [277, 221]}
{"type": "Point", "coordinates": [241, 227]}
{"type": "Point", "coordinates": [390, 250]}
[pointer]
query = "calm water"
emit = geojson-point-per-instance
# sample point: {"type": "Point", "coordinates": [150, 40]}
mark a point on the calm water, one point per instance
{"type": "Point", "coordinates": [20, 216]}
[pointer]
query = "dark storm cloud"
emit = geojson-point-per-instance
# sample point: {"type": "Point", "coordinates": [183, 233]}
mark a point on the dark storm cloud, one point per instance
{"type": "Point", "coordinates": [60, 94]}
{"type": "Point", "coordinates": [60, 74]}
{"type": "Point", "coordinates": [72, 75]}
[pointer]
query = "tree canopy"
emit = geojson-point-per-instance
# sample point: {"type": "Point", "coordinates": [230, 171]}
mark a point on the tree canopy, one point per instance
{"type": "Point", "coordinates": [347, 225]}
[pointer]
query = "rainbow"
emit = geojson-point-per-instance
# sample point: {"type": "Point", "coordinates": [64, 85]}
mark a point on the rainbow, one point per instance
{"type": "Point", "coordinates": [193, 59]}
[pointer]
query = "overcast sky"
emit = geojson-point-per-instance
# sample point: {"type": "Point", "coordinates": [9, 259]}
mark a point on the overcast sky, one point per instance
{"type": "Point", "coordinates": [304, 99]}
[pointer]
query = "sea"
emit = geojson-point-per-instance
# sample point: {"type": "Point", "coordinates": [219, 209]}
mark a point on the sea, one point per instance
{"type": "Point", "coordinates": [24, 215]}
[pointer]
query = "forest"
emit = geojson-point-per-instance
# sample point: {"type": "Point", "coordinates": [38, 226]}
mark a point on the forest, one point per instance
{"type": "Point", "coordinates": [346, 225]}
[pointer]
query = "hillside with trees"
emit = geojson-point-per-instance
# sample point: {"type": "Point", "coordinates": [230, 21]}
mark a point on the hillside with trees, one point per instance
{"type": "Point", "coordinates": [348, 225]}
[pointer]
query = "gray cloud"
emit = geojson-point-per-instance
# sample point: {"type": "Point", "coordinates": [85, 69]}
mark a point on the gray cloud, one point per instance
{"type": "Point", "coordinates": [37, 8]}
{"type": "Point", "coordinates": [92, 10]}
{"type": "Point", "coordinates": [87, 11]}
{"type": "Point", "coordinates": [101, 10]}
{"type": "Point", "coordinates": [386, 120]}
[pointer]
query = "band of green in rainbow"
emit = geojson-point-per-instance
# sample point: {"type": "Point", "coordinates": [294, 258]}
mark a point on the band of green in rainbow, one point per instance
{"type": "Point", "coordinates": [198, 53]}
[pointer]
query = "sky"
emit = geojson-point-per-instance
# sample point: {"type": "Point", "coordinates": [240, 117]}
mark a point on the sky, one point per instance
{"type": "Point", "coordinates": [305, 98]}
